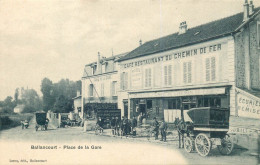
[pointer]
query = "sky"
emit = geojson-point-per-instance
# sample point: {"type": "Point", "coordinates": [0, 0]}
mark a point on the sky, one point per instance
{"type": "Point", "coordinates": [55, 39]}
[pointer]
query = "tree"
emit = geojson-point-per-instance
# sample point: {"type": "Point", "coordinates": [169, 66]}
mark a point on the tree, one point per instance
{"type": "Point", "coordinates": [16, 95]}
{"type": "Point", "coordinates": [47, 91]}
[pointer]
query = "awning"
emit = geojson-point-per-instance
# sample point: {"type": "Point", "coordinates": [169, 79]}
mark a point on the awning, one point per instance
{"type": "Point", "coordinates": [176, 93]}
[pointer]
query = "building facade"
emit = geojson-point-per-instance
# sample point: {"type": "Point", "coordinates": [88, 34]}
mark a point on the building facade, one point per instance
{"type": "Point", "coordinates": [100, 82]}
{"type": "Point", "coordinates": [211, 65]}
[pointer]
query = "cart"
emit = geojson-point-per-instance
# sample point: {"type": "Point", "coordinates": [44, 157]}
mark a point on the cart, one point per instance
{"type": "Point", "coordinates": [41, 121]}
{"type": "Point", "coordinates": [209, 127]}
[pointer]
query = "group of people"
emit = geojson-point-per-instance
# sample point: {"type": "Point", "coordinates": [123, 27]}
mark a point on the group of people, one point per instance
{"type": "Point", "coordinates": [162, 127]}
{"type": "Point", "coordinates": [126, 127]}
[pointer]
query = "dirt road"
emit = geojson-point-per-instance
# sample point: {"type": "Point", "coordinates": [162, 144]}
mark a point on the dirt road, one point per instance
{"type": "Point", "coordinates": [16, 144]}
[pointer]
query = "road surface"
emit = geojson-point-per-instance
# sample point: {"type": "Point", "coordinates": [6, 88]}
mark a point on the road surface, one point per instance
{"type": "Point", "coordinates": [20, 145]}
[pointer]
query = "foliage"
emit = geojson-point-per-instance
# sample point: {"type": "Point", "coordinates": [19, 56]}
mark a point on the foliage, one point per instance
{"type": "Point", "coordinates": [58, 96]}
{"type": "Point", "coordinates": [13, 120]}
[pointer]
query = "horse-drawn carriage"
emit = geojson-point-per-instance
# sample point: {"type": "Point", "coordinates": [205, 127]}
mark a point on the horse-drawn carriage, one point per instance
{"type": "Point", "coordinates": [41, 121]}
{"type": "Point", "coordinates": [209, 127]}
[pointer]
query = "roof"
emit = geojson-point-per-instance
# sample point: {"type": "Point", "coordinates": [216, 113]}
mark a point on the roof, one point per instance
{"type": "Point", "coordinates": [76, 97]}
{"type": "Point", "coordinates": [20, 106]}
{"type": "Point", "coordinates": [115, 57]}
{"type": "Point", "coordinates": [204, 32]}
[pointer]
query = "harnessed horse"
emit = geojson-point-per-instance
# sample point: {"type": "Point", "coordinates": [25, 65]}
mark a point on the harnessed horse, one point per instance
{"type": "Point", "coordinates": [181, 127]}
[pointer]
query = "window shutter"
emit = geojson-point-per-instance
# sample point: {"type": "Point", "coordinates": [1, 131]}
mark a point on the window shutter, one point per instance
{"type": "Point", "coordinates": [258, 31]}
{"type": "Point", "coordinates": [146, 78]}
{"type": "Point", "coordinates": [121, 81]}
{"type": "Point", "coordinates": [189, 72]}
{"type": "Point", "coordinates": [165, 75]}
{"type": "Point", "coordinates": [170, 75]}
{"type": "Point", "coordinates": [185, 72]}
{"type": "Point", "coordinates": [150, 77]}
{"type": "Point", "coordinates": [126, 80]}
{"type": "Point", "coordinates": [213, 68]}
{"type": "Point", "coordinates": [207, 69]}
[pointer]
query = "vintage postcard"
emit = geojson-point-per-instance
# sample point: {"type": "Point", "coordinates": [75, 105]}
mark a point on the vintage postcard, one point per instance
{"type": "Point", "coordinates": [129, 82]}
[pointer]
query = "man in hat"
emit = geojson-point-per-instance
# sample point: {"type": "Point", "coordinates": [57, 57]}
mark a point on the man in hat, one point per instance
{"type": "Point", "coordinates": [155, 125]}
{"type": "Point", "coordinates": [163, 127]}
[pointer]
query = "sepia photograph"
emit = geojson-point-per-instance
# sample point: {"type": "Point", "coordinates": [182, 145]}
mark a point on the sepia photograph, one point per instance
{"type": "Point", "coordinates": [125, 82]}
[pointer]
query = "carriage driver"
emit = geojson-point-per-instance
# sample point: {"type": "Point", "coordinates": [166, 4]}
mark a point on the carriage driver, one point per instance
{"type": "Point", "coordinates": [163, 127]}
{"type": "Point", "coordinates": [155, 128]}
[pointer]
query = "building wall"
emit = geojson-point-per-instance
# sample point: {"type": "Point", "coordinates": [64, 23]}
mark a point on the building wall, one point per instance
{"type": "Point", "coordinates": [77, 104]}
{"type": "Point", "coordinates": [246, 48]}
{"type": "Point", "coordinates": [254, 55]}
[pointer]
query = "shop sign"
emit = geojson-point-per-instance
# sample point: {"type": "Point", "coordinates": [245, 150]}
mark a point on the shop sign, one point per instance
{"type": "Point", "coordinates": [247, 106]}
{"type": "Point", "coordinates": [136, 78]}
{"type": "Point", "coordinates": [240, 130]}
{"type": "Point", "coordinates": [176, 55]}
{"type": "Point", "coordinates": [192, 92]}
{"type": "Point", "coordinates": [108, 113]}
{"type": "Point", "coordinates": [107, 77]}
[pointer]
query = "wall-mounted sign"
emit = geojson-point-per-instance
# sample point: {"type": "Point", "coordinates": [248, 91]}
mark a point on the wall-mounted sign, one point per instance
{"type": "Point", "coordinates": [191, 92]}
{"type": "Point", "coordinates": [107, 77]}
{"type": "Point", "coordinates": [177, 55]}
{"type": "Point", "coordinates": [247, 106]}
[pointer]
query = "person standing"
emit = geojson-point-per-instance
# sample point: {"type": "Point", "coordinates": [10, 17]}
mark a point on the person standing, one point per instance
{"type": "Point", "coordinates": [163, 127]}
{"type": "Point", "coordinates": [113, 124]}
{"type": "Point", "coordinates": [117, 126]}
{"type": "Point", "coordinates": [134, 125]}
{"type": "Point", "coordinates": [155, 127]}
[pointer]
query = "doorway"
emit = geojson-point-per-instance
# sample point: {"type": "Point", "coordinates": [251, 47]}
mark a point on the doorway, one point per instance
{"type": "Point", "coordinates": [125, 108]}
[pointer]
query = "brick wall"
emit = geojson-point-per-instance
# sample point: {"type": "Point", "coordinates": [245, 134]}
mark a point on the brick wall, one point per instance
{"type": "Point", "coordinates": [241, 44]}
{"type": "Point", "coordinates": [254, 55]}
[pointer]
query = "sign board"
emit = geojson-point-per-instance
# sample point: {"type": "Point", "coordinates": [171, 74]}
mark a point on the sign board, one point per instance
{"type": "Point", "coordinates": [247, 106]}
{"type": "Point", "coordinates": [191, 92]}
{"type": "Point", "coordinates": [108, 113]}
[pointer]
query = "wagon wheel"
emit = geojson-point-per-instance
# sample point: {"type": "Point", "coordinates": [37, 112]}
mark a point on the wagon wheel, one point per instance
{"type": "Point", "coordinates": [202, 144]}
{"type": "Point", "coordinates": [188, 144]}
{"type": "Point", "coordinates": [226, 146]}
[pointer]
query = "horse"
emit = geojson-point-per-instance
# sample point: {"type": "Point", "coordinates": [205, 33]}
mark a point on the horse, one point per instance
{"type": "Point", "coordinates": [181, 128]}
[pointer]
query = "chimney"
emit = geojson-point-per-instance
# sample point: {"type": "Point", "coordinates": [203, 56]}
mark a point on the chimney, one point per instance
{"type": "Point", "coordinates": [98, 64]}
{"type": "Point", "coordinates": [251, 8]}
{"type": "Point", "coordinates": [140, 42]}
{"type": "Point", "coordinates": [78, 93]}
{"type": "Point", "coordinates": [246, 10]}
{"type": "Point", "coordinates": [183, 28]}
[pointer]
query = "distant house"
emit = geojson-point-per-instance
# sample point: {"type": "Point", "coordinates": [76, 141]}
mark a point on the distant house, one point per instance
{"type": "Point", "coordinates": [77, 103]}
{"type": "Point", "coordinates": [19, 108]}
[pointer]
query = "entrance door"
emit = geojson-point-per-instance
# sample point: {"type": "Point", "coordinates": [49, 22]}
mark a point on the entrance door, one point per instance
{"type": "Point", "coordinates": [142, 108]}
{"type": "Point", "coordinates": [125, 108]}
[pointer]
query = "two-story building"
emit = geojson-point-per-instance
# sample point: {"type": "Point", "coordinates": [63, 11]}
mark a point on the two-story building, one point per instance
{"type": "Point", "coordinates": [214, 64]}
{"type": "Point", "coordinates": [100, 83]}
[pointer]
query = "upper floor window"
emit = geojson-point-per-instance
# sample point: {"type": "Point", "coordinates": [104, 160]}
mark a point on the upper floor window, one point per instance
{"type": "Point", "coordinates": [258, 34]}
{"type": "Point", "coordinates": [94, 69]}
{"type": "Point", "coordinates": [168, 75]}
{"type": "Point", "coordinates": [91, 90]}
{"type": "Point", "coordinates": [187, 74]}
{"type": "Point", "coordinates": [124, 80]}
{"type": "Point", "coordinates": [148, 77]}
{"type": "Point", "coordinates": [210, 68]}
{"type": "Point", "coordinates": [102, 90]}
{"type": "Point", "coordinates": [113, 88]}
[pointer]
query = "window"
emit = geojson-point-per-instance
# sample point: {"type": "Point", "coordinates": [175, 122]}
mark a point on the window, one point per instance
{"type": "Point", "coordinates": [148, 77]}
{"type": "Point", "coordinates": [91, 90]}
{"type": "Point", "coordinates": [102, 90]}
{"type": "Point", "coordinates": [94, 69]}
{"type": "Point", "coordinates": [124, 80]}
{"type": "Point", "coordinates": [187, 72]}
{"type": "Point", "coordinates": [168, 75]}
{"type": "Point", "coordinates": [258, 34]}
{"type": "Point", "coordinates": [113, 88]}
{"type": "Point", "coordinates": [210, 69]}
